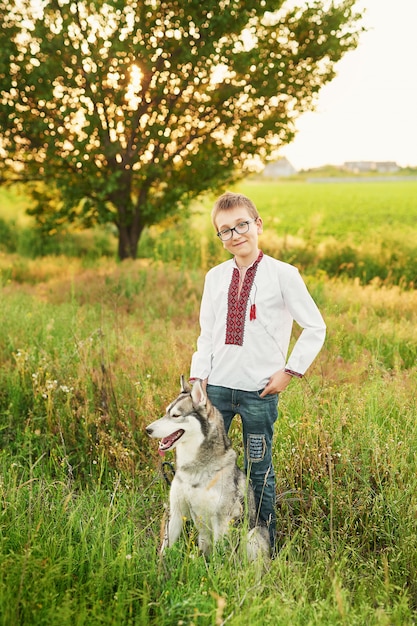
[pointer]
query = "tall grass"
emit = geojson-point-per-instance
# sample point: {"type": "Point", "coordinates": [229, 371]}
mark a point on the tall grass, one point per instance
{"type": "Point", "coordinates": [91, 351]}
{"type": "Point", "coordinates": [89, 356]}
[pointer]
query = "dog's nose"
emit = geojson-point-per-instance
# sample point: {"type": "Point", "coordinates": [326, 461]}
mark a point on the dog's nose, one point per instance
{"type": "Point", "coordinates": [149, 430]}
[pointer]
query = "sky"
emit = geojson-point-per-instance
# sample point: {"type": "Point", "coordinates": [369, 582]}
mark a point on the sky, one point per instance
{"type": "Point", "coordinates": [369, 110]}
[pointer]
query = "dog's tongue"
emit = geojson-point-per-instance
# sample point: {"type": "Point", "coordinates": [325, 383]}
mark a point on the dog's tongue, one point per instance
{"type": "Point", "coordinates": [166, 443]}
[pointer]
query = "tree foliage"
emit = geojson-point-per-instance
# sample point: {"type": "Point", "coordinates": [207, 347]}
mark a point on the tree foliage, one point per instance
{"type": "Point", "coordinates": [126, 109]}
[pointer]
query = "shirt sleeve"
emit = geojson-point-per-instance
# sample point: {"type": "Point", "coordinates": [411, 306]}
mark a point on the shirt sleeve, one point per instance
{"type": "Point", "coordinates": [305, 312]}
{"type": "Point", "coordinates": [202, 358]}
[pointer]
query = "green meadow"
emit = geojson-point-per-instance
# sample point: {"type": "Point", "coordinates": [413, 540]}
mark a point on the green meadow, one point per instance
{"type": "Point", "coordinates": [91, 351]}
{"type": "Point", "coordinates": [364, 230]}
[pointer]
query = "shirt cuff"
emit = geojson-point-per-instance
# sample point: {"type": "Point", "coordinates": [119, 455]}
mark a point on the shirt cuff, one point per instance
{"type": "Point", "coordinates": [292, 373]}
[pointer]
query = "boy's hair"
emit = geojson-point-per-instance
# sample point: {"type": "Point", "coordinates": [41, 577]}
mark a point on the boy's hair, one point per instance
{"type": "Point", "coordinates": [230, 200]}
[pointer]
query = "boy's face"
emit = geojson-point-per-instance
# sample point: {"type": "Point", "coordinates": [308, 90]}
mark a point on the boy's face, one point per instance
{"type": "Point", "coordinates": [241, 246]}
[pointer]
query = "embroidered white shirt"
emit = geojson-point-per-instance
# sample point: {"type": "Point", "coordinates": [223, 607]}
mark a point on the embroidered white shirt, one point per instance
{"type": "Point", "coordinates": [281, 297]}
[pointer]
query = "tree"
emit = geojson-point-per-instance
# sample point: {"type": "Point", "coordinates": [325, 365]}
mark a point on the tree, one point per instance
{"type": "Point", "coordinates": [127, 109]}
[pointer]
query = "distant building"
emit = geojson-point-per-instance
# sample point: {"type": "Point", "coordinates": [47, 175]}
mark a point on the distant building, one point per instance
{"type": "Point", "coordinates": [279, 169]}
{"type": "Point", "coordinates": [385, 167]}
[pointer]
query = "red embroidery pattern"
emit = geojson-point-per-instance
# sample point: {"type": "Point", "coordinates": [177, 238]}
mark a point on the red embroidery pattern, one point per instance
{"type": "Point", "coordinates": [236, 306]}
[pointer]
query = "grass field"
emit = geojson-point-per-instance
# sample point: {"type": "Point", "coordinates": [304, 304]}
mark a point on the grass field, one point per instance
{"type": "Point", "coordinates": [92, 352]}
{"type": "Point", "coordinates": [363, 230]}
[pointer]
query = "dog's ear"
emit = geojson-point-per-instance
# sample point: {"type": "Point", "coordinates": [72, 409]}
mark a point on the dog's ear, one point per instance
{"type": "Point", "coordinates": [198, 395]}
{"type": "Point", "coordinates": [185, 387]}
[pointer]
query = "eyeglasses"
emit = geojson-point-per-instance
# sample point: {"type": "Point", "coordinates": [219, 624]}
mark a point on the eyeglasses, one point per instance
{"type": "Point", "coordinates": [240, 229]}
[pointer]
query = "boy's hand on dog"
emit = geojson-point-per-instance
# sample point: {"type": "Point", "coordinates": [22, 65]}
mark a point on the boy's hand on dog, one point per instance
{"type": "Point", "coordinates": [277, 383]}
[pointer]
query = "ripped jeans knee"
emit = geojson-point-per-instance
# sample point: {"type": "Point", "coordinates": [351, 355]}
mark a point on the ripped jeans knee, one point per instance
{"type": "Point", "coordinates": [256, 448]}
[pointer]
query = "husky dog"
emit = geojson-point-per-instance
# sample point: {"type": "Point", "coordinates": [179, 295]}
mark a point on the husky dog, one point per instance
{"type": "Point", "coordinates": [208, 486]}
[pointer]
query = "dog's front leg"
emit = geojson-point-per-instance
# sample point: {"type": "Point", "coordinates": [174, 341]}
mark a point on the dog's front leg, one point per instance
{"type": "Point", "coordinates": [172, 530]}
{"type": "Point", "coordinates": [164, 531]}
{"type": "Point", "coordinates": [173, 526]}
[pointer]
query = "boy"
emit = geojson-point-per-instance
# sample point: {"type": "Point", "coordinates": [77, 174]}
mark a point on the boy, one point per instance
{"type": "Point", "coordinates": [247, 310]}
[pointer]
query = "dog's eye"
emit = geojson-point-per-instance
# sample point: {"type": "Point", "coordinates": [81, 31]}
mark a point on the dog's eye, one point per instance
{"type": "Point", "coordinates": [175, 415]}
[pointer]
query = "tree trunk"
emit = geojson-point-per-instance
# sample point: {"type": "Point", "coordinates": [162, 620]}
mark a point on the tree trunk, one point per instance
{"type": "Point", "coordinates": [130, 221]}
{"type": "Point", "coordinates": [128, 242]}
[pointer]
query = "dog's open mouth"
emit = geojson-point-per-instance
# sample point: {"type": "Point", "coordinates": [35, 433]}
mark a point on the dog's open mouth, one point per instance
{"type": "Point", "coordinates": [167, 442]}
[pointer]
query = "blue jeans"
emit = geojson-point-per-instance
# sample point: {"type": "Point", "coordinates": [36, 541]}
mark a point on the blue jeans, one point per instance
{"type": "Point", "coordinates": [258, 417]}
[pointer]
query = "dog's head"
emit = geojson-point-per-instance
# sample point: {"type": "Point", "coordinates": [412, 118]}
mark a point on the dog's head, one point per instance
{"type": "Point", "coordinates": [185, 419]}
